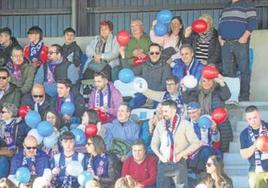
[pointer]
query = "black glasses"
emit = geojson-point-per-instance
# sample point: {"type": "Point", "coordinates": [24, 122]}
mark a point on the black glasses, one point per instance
{"type": "Point", "coordinates": [29, 148]}
{"type": "Point", "coordinates": [209, 164]}
{"type": "Point", "coordinates": [3, 77]}
{"type": "Point", "coordinates": [38, 96]}
{"type": "Point", "coordinates": [154, 53]}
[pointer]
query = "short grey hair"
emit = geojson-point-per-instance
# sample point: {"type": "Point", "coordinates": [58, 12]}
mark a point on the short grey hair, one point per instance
{"type": "Point", "coordinates": [12, 108]}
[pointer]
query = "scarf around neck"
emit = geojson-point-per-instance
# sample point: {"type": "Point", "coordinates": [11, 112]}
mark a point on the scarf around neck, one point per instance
{"type": "Point", "coordinates": [205, 100]}
{"type": "Point", "coordinates": [35, 50]}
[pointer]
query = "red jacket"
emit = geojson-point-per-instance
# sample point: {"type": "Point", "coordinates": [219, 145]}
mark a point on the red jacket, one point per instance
{"type": "Point", "coordinates": [42, 57]}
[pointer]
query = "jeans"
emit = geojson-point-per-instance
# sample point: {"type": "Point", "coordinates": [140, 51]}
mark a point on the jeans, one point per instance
{"type": "Point", "coordinates": [234, 51]}
{"type": "Point", "coordinates": [4, 170]}
{"type": "Point", "coordinates": [170, 174]}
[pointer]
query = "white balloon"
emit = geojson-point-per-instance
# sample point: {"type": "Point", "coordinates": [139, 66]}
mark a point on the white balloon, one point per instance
{"type": "Point", "coordinates": [40, 182]}
{"type": "Point", "coordinates": [140, 84]}
{"type": "Point", "coordinates": [189, 81]}
{"type": "Point", "coordinates": [47, 174]}
{"type": "Point", "coordinates": [34, 133]}
{"type": "Point", "coordinates": [74, 168]}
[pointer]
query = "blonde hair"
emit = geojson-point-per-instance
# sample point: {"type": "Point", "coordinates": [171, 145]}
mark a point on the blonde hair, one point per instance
{"type": "Point", "coordinates": [93, 184]}
{"type": "Point", "coordinates": [6, 183]}
{"type": "Point", "coordinates": [127, 182]}
{"type": "Point", "coordinates": [208, 19]}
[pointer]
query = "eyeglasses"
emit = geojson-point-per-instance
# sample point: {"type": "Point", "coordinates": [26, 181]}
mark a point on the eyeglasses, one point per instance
{"type": "Point", "coordinates": [51, 53]}
{"type": "Point", "coordinates": [38, 96]}
{"type": "Point", "coordinates": [29, 147]}
{"type": "Point", "coordinates": [3, 77]}
{"type": "Point", "coordinates": [209, 164]}
{"type": "Point", "coordinates": [154, 53]}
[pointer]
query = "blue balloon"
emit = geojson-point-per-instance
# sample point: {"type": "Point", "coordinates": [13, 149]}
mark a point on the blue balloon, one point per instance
{"type": "Point", "coordinates": [160, 29]}
{"type": "Point", "coordinates": [164, 16]}
{"type": "Point", "coordinates": [23, 175]}
{"type": "Point", "coordinates": [45, 128]}
{"type": "Point", "coordinates": [126, 75]}
{"type": "Point", "coordinates": [84, 177]}
{"type": "Point", "coordinates": [205, 122]}
{"type": "Point", "coordinates": [73, 126]}
{"type": "Point", "coordinates": [67, 108]}
{"type": "Point", "coordinates": [51, 141]}
{"type": "Point", "coordinates": [80, 137]}
{"type": "Point", "coordinates": [32, 119]}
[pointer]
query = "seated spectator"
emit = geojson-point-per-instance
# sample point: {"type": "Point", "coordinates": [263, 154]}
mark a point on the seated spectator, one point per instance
{"type": "Point", "coordinates": [30, 157]}
{"type": "Point", "coordinates": [102, 52]}
{"type": "Point", "coordinates": [36, 52]}
{"type": "Point", "coordinates": [93, 184]}
{"type": "Point", "coordinates": [71, 51]}
{"type": "Point", "coordinates": [206, 45]}
{"type": "Point", "coordinates": [37, 100]}
{"type": "Point", "coordinates": [21, 72]}
{"type": "Point", "coordinates": [216, 176]}
{"type": "Point", "coordinates": [140, 166]}
{"type": "Point", "coordinates": [89, 117]}
{"type": "Point", "coordinates": [57, 68]}
{"type": "Point", "coordinates": [187, 64]}
{"type": "Point", "coordinates": [155, 72]}
{"type": "Point", "coordinates": [138, 45]}
{"type": "Point", "coordinates": [59, 161]}
{"type": "Point", "coordinates": [123, 129]}
{"type": "Point", "coordinates": [104, 166]}
{"type": "Point", "coordinates": [6, 183]}
{"type": "Point", "coordinates": [127, 182]}
{"type": "Point", "coordinates": [105, 97]}
{"type": "Point", "coordinates": [9, 92]}
{"type": "Point", "coordinates": [7, 42]}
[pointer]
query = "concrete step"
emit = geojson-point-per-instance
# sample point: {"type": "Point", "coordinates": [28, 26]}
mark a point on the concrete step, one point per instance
{"type": "Point", "coordinates": [240, 181]}
{"type": "Point", "coordinates": [234, 147]}
{"type": "Point", "coordinates": [236, 170]}
{"type": "Point", "coordinates": [240, 126]}
{"type": "Point", "coordinates": [234, 159]}
{"type": "Point", "coordinates": [236, 136]}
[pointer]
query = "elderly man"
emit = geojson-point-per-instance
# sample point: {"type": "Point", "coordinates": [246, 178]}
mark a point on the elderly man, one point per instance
{"type": "Point", "coordinates": [57, 68]}
{"type": "Point", "coordinates": [140, 166]}
{"type": "Point", "coordinates": [258, 160]}
{"type": "Point", "coordinates": [30, 157]}
{"type": "Point", "coordinates": [173, 140]}
{"type": "Point", "coordinates": [187, 64]}
{"type": "Point", "coordinates": [37, 100]}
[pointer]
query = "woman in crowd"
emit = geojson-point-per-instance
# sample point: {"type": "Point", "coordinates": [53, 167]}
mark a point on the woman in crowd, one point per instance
{"type": "Point", "coordinates": [89, 117]}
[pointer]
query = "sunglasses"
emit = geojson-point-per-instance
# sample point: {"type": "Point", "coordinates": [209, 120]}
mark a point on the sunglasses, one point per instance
{"type": "Point", "coordinates": [209, 164]}
{"type": "Point", "coordinates": [38, 96]}
{"type": "Point", "coordinates": [29, 148]}
{"type": "Point", "coordinates": [154, 53]}
{"type": "Point", "coordinates": [3, 77]}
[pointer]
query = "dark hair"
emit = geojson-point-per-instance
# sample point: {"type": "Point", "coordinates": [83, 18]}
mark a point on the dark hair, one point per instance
{"type": "Point", "coordinates": [17, 47]}
{"type": "Point", "coordinates": [187, 46]}
{"type": "Point", "coordinates": [66, 82]}
{"type": "Point", "coordinates": [58, 48]}
{"type": "Point", "coordinates": [251, 108]}
{"type": "Point", "coordinates": [36, 30]}
{"type": "Point", "coordinates": [127, 105]}
{"type": "Point", "coordinates": [69, 30]}
{"type": "Point", "coordinates": [98, 143]}
{"type": "Point", "coordinates": [6, 30]}
{"type": "Point", "coordinates": [107, 23]}
{"type": "Point", "coordinates": [58, 120]}
{"type": "Point", "coordinates": [92, 116]}
{"type": "Point", "coordinates": [170, 103]}
{"type": "Point", "coordinates": [4, 70]}
{"type": "Point", "coordinates": [173, 78]}
{"type": "Point", "coordinates": [181, 29]}
{"type": "Point", "coordinates": [102, 74]}
{"type": "Point", "coordinates": [139, 142]}
{"type": "Point", "coordinates": [155, 44]}
{"type": "Point", "coordinates": [67, 135]}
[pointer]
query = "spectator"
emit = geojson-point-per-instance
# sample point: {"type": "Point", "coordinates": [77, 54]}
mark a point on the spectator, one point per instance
{"type": "Point", "coordinates": [248, 138]}
{"type": "Point", "coordinates": [71, 51]}
{"type": "Point", "coordinates": [127, 182]}
{"type": "Point", "coordinates": [6, 183]}
{"type": "Point", "coordinates": [105, 97]}
{"type": "Point", "coordinates": [103, 52]}
{"type": "Point", "coordinates": [58, 164]}
{"type": "Point", "coordinates": [30, 157]}
{"type": "Point", "coordinates": [93, 184]}
{"type": "Point", "coordinates": [155, 72]}
{"type": "Point", "coordinates": [89, 117]}
{"type": "Point", "coordinates": [7, 42]}
{"type": "Point", "coordinates": [216, 176]}
{"type": "Point", "coordinates": [173, 140]}
{"type": "Point", "coordinates": [237, 21]}
{"type": "Point", "coordinates": [9, 92]}
{"type": "Point", "coordinates": [57, 68]}
{"type": "Point", "coordinates": [187, 64]}
{"type": "Point", "coordinates": [21, 72]}
{"type": "Point", "coordinates": [104, 166]}
{"type": "Point", "coordinates": [122, 129]}
{"type": "Point", "coordinates": [158, 116]}
{"type": "Point", "coordinates": [138, 45]}
{"type": "Point", "coordinates": [206, 45]}
{"type": "Point", "coordinates": [140, 166]}
{"type": "Point", "coordinates": [37, 100]}
{"type": "Point", "coordinates": [36, 52]}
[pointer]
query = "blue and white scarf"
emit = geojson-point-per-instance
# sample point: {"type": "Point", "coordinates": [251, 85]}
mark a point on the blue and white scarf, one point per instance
{"type": "Point", "coordinates": [30, 163]}
{"type": "Point", "coordinates": [35, 50]}
{"type": "Point", "coordinates": [9, 134]}
{"type": "Point", "coordinates": [103, 97]}
{"type": "Point", "coordinates": [179, 101]}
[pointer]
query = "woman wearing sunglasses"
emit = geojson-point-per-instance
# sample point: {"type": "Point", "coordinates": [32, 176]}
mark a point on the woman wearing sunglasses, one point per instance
{"type": "Point", "coordinates": [216, 177]}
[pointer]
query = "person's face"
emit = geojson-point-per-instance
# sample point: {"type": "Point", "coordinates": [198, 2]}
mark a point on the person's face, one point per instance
{"type": "Point", "coordinates": [85, 118]}
{"type": "Point", "coordinates": [194, 114]}
{"type": "Point", "coordinates": [5, 114]}
{"type": "Point", "coordinates": [123, 114]}
{"type": "Point", "coordinates": [34, 37]}
{"type": "Point", "coordinates": [154, 54]}
{"type": "Point", "coordinates": [4, 38]}
{"type": "Point", "coordinates": [90, 147]}
{"type": "Point", "coordinates": [17, 57]}
{"type": "Point", "coordinates": [30, 147]}
{"type": "Point", "coordinates": [210, 166]}
{"type": "Point", "coordinates": [136, 28]}
{"type": "Point", "coordinates": [207, 83]}
{"type": "Point", "coordinates": [68, 145]}
{"type": "Point", "coordinates": [187, 56]}
{"type": "Point", "coordinates": [104, 31]}
{"type": "Point", "coordinates": [62, 90]}
{"type": "Point", "coordinates": [69, 37]}
{"type": "Point", "coordinates": [138, 153]}
{"type": "Point", "coordinates": [100, 82]}
{"type": "Point", "coordinates": [253, 119]}
{"type": "Point", "coordinates": [4, 79]}
{"type": "Point", "coordinates": [172, 87]}
{"type": "Point", "coordinates": [38, 94]}
{"type": "Point", "coordinates": [52, 54]}
{"type": "Point", "coordinates": [168, 112]}
{"type": "Point", "coordinates": [175, 26]}
{"type": "Point", "coordinates": [52, 118]}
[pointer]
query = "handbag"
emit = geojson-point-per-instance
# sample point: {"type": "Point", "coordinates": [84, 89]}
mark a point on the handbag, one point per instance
{"type": "Point", "coordinates": [97, 67]}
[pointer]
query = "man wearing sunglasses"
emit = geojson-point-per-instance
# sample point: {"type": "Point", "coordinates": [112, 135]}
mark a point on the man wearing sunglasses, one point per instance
{"type": "Point", "coordinates": [30, 157]}
{"type": "Point", "coordinates": [8, 92]}
{"type": "Point", "coordinates": [155, 72]}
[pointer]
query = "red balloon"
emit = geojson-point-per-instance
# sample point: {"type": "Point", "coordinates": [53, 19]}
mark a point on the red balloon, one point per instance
{"type": "Point", "coordinates": [102, 116]}
{"type": "Point", "coordinates": [123, 37]}
{"type": "Point", "coordinates": [262, 143]}
{"type": "Point", "coordinates": [199, 26]}
{"type": "Point", "coordinates": [219, 115]}
{"type": "Point", "coordinates": [91, 130]}
{"type": "Point", "coordinates": [140, 60]}
{"type": "Point", "coordinates": [23, 110]}
{"type": "Point", "coordinates": [209, 72]}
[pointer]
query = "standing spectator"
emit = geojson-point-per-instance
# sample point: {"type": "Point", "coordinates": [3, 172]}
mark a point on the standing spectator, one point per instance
{"type": "Point", "coordinates": [258, 170]}
{"type": "Point", "coordinates": [103, 52]}
{"type": "Point", "coordinates": [36, 52]}
{"type": "Point", "coordinates": [237, 21]}
{"type": "Point", "coordinates": [140, 166]}
{"type": "Point", "coordinates": [21, 72]}
{"type": "Point", "coordinates": [173, 140]}
{"type": "Point", "coordinates": [71, 51]}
